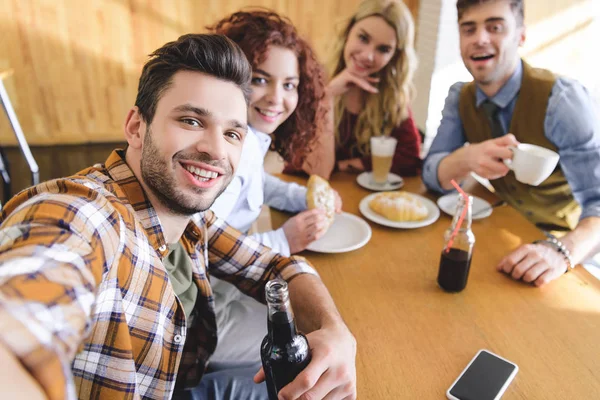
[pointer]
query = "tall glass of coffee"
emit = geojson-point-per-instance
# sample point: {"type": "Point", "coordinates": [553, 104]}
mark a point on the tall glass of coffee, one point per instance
{"type": "Point", "coordinates": [382, 154]}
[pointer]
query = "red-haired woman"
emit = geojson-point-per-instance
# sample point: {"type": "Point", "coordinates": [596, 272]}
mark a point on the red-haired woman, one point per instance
{"type": "Point", "coordinates": [283, 114]}
{"type": "Point", "coordinates": [287, 86]}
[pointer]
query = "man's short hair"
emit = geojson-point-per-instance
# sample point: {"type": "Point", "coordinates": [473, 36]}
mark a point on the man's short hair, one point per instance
{"type": "Point", "coordinates": [515, 5]}
{"type": "Point", "coordinates": [214, 55]}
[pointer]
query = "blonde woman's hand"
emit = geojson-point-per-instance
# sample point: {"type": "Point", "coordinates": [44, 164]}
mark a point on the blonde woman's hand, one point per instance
{"type": "Point", "coordinates": [345, 79]}
{"type": "Point", "coordinates": [351, 165]}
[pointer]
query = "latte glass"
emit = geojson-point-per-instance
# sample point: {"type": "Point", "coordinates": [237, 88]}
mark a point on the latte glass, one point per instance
{"type": "Point", "coordinates": [382, 154]}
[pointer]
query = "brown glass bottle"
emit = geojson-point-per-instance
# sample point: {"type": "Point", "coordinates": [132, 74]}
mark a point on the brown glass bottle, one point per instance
{"type": "Point", "coordinates": [284, 351]}
{"type": "Point", "coordinates": [455, 262]}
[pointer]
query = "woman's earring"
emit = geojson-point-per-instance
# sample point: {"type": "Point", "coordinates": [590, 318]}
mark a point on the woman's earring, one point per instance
{"type": "Point", "coordinates": [393, 71]}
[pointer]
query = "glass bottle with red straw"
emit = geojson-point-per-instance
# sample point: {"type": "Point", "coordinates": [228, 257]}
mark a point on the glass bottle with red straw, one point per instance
{"type": "Point", "coordinates": [455, 260]}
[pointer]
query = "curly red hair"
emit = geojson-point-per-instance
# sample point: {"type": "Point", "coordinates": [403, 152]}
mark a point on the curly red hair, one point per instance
{"type": "Point", "coordinates": [254, 31]}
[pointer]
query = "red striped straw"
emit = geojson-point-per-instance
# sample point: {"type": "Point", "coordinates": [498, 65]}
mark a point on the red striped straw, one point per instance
{"type": "Point", "coordinates": [462, 216]}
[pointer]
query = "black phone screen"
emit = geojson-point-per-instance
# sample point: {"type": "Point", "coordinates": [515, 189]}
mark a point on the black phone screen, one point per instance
{"type": "Point", "coordinates": [483, 379]}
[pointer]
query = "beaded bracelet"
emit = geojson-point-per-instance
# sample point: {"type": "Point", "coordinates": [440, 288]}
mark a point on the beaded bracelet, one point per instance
{"type": "Point", "coordinates": [560, 247]}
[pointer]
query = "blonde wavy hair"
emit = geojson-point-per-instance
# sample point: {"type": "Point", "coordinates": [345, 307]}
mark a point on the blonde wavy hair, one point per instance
{"type": "Point", "coordinates": [387, 109]}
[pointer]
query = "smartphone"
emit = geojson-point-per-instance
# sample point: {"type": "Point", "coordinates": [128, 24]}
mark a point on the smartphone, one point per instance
{"type": "Point", "coordinates": [485, 378]}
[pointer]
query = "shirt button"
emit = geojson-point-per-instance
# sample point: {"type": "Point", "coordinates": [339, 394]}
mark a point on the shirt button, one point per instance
{"type": "Point", "coordinates": [163, 247]}
{"type": "Point", "coordinates": [177, 339]}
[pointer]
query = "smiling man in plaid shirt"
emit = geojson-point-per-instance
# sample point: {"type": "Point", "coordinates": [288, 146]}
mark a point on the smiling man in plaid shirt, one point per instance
{"type": "Point", "coordinates": [90, 306]}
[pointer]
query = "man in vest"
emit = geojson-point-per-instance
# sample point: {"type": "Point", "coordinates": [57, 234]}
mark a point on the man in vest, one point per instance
{"type": "Point", "coordinates": [507, 103]}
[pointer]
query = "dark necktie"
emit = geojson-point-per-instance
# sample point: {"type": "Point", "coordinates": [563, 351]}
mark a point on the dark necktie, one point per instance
{"type": "Point", "coordinates": [492, 112]}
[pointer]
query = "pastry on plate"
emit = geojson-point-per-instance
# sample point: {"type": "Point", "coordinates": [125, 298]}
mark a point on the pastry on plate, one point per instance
{"type": "Point", "coordinates": [399, 206]}
{"type": "Point", "coordinates": [321, 195]}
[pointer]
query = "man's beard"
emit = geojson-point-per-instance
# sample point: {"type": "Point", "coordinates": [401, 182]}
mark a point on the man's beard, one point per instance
{"type": "Point", "coordinates": [161, 181]}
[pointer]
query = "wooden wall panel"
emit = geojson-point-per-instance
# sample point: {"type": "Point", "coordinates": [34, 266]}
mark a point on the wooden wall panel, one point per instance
{"type": "Point", "coordinates": [77, 62]}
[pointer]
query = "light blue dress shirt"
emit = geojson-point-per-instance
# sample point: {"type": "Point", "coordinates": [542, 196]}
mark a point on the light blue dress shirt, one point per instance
{"type": "Point", "coordinates": [572, 125]}
{"type": "Point", "coordinates": [240, 204]}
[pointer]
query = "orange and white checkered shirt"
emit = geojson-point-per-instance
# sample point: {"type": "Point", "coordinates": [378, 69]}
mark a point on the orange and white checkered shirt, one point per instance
{"type": "Point", "coordinates": [85, 300]}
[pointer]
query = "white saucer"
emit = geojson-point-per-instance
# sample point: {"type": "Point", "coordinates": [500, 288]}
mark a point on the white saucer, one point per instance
{"type": "Point", "coordinates": [448, 202]}
{"type": "Point", "coordinates": [432, 216]}
{"type": "Point", "coordinates": [348, 232]}
{"type": "Point", "coordinates": [366, 181]}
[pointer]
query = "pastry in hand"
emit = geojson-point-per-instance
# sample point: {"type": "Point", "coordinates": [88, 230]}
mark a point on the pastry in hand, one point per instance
{"type": "Point", "coordinates": [321, 195]}
{"type": "Point", "coordinates": [399, 206]}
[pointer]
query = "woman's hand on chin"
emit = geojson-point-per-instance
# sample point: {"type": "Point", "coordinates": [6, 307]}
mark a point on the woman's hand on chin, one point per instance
{"type": "Point", "coordinates": [345, 79]}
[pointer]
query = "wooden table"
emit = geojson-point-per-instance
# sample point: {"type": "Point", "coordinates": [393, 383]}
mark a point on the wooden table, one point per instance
{"type": "Point", "coordinates": [414, 339]}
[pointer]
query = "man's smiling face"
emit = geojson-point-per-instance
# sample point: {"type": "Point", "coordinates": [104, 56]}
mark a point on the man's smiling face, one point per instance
{"type": "Point", "coordinates": [490, 36]}
{"type": "Point", "coordinates": [192, 147]}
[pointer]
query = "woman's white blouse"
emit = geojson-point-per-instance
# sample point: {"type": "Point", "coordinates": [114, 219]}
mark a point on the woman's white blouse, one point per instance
{"type": "Point", "coordinates": [240, 204]}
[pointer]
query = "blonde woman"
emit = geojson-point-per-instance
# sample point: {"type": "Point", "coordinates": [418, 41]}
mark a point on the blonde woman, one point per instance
{"type": "Point", "coordinates": [369, 93]}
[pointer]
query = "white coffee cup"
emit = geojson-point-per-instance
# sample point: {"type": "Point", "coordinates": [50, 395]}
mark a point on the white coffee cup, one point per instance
{"type": "Point", "coordinates": [382, 155]}
{"type": "Point", "coordinates": [532, 164]}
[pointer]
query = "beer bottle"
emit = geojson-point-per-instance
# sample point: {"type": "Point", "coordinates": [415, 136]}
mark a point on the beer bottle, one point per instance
{"type": "Point", "coordinates": [455, 261]}
{"type": "Point", "coordinates": [284, 351]}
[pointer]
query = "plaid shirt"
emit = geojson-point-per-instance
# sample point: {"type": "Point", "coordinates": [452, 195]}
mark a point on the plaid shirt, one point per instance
{"type": "Point", "coordinates": [85, 300]}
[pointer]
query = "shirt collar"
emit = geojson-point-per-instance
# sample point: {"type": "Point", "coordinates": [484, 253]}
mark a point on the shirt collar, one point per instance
{"type": "Point", "coordinates": [506, 93]}
{"type": "Point", "coordinates": [263, 138]}
{"type": "Point", "coordinates": [125, 179]}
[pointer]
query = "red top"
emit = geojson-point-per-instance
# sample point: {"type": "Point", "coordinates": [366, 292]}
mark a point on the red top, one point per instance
{"type": "Point", "coordinates": [406, 160]}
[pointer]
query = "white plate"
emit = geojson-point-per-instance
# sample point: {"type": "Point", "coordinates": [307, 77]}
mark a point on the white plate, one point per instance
{"type": "Point", "coordinates": [348, 232]}
{"type": "Point", "coordinates": [448, 202]}
{"type": "Point", "coordinates": [366, 181]}
{"type": "Point", "coordinates": [432, 216]}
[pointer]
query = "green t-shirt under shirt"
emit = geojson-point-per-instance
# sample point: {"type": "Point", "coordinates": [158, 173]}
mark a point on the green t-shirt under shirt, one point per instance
{"type": "Point", "coordinates": [179, 267]}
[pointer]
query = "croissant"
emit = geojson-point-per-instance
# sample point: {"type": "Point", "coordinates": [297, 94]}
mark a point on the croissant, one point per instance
{"type": "Point", "coordinates": [399, 206]}
{"type": "Point", "coordinates": [321, 195]}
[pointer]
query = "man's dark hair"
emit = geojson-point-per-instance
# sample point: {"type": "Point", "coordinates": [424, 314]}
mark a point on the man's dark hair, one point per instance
{"type": "Point", "coordinates": [515, 5]}
{"type": "Point", "coordinates": [215, 55]}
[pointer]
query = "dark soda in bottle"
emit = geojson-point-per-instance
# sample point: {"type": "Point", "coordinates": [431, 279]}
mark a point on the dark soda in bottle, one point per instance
{"type": "Point", "coordinates": [455, 261]}
{"type": "Point", "coordinates": [284, 351]}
